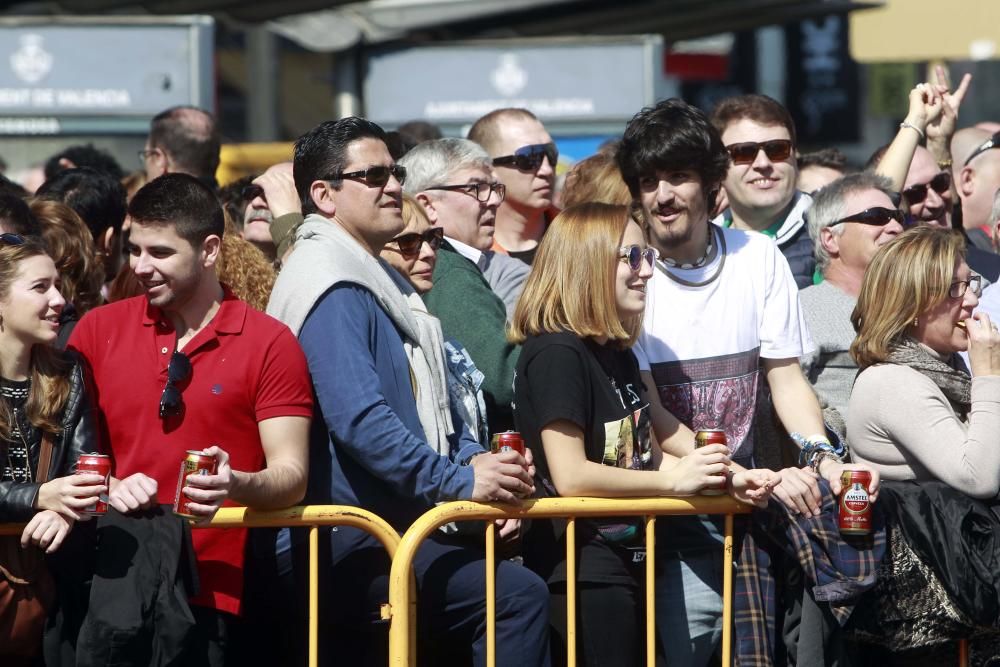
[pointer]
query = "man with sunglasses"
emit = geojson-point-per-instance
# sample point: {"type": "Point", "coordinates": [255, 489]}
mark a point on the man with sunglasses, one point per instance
{"type": "Point", "coordinates": [760, 185]}
{"type": "Point", "coordinates": [976, 169]}
{"type": "Point", "coordinates": [722, 314]}
{"type": "Point", "coordinates": [386, 438]}
{"type": "Point", "coordinates": [525, 158]}
{"type": "Point", "coordinates": [188, 366]}
{"type": "Point", "coordinates": [272, 211]}
{"type": "Point", "coordinates": [849, 220]}
{"type": "Point", "coordinates": [454, 181]}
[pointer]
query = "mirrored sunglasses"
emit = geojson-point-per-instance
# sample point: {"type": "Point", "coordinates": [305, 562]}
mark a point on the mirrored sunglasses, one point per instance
{"type": "Point", "coordinates": [776, 150]}
{"type": "Point", "coordinates": [529, 158]}
{"type": "Point", "coordinates": [409, 244]}
{"type": "Point", "coordinates": [11, 239]}
{"type": "Point", "coordinates": [635, 255]}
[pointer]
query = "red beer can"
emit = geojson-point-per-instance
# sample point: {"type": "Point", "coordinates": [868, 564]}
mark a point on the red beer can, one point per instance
{"type": "Point", "coordinates": [855, 517]}
{"type": "Point", "coordinates": [96, 464]}
{"type": "Point", "coordinates": [501, 442]}
{"type": "Point", "coordinates": [194, 463]}
{"type": "Point", "coordinates": [706, 437]}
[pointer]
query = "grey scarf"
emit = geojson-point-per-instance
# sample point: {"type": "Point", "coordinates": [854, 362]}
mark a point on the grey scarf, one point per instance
{"type": "Point", "coordinates": [950, 375]}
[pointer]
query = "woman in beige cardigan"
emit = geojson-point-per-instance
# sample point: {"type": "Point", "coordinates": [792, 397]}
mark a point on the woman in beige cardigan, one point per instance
{"type": "Point", "coordinates": [916, 414]}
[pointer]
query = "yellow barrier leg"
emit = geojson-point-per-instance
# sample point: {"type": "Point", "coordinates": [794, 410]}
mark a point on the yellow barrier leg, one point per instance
{"type": "Point", "coordinates": [963, 653]}
{"type": "Point", "coordinates": [313, 596]}
{"type": "Point", "coordinates": [571, 592]}
{"type": "Point", "coordinates": [491, 595]}
{"type": "Point", "coordinates": [651, 591]}
{"type": "Point", "coordinates": [727, 594]}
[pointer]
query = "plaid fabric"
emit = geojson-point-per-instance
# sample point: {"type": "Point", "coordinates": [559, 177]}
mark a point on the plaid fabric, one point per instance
{"type": "Point", "coordinates": [838, 572]}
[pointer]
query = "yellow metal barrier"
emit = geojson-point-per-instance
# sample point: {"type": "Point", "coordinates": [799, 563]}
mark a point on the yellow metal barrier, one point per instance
{"type": "Point", "coordinates": [312, 516]}
{"type": "Point", "coordinates": [402, 601]}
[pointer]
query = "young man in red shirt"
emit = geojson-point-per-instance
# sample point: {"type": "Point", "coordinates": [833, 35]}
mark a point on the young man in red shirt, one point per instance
{"type": "Point", "coordinates": [188, 366]}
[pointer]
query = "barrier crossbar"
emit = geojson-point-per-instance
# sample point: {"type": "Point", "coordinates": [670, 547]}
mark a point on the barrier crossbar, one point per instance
{"type": "Point", "coordinates": [311, 516]}
{"type": "Point", "coordinates": [402, 599]}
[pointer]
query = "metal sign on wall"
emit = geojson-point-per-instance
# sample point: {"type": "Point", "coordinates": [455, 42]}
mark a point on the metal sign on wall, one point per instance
{"type": "Point", "coordinates": [561, 81]}
{"type": "Point", "coordinates": [73, 75]}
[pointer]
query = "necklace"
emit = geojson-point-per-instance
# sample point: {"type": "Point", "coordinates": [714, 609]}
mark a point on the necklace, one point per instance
{"type": "Point", "coordinates": [696, 264]}
{"type": "Point", "coordinates": [713, 229]}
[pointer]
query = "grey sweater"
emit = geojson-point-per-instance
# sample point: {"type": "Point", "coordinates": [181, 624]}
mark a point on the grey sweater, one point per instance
{"type": "Point", "coordinates": [829, 366]}
{"type": "Point", "coordinates": [903, 426]}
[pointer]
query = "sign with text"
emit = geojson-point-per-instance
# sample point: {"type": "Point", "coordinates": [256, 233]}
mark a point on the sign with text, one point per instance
{"type": "Point", "coordinates": [53, 71]}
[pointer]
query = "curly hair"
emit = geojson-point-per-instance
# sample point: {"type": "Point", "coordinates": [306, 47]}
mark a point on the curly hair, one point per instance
{"type": "Point", "coordinates": [72, 248]}
{"type": "Point", "coordinates": [243, 267]}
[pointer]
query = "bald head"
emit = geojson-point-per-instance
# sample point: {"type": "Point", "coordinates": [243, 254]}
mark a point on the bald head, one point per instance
{"type": "Point", "coordinates": [183, 139]}
{"type": "Point", "coordinates": [977, 181]}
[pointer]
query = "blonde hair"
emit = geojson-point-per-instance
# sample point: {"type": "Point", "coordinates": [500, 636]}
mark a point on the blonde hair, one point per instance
{"type": "Point", "coordinates": [571, 286]}
{"type": "Point", "coordinates": [243, 267]}
{"type": "Point", "coordinates": [596, 178]}
{"type": "Point", "coordinates": [50, 368]}
{"type": "Point", "coordinates": [412, 210]}
{"type": "Point", "coordinates": [907, 277]}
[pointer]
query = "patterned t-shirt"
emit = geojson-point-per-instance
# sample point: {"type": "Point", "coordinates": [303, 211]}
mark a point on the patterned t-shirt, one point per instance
{"type": "Point", "coordinates": [16, 464]}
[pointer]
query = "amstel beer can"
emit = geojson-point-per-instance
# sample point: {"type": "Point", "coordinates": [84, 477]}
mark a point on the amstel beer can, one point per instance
{"type": "Point", "coordinates": [194, 463]}
{"type": "Point", "coordinates": [501, 442]}
{"type": "Point", "coordinates": [96, 464]}
{"type": "Point", "coordinates": [855, 505]}
{"type": "Point", "coordinates": [706, 437]}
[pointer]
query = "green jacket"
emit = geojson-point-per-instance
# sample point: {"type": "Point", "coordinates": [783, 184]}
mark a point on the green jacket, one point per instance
{"type": "Point", "coordinates": [472, 314]}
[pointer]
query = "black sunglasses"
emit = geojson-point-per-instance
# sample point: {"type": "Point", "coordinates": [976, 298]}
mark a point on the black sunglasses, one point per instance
{"type": "Point", "coordinates": [374, 177]}
{"type": "Point", "coordinates": [178, 372]}
{"type": "Point", "coordinates": [409, 244]}
{"type": "Point", "coordinates": [11, 239]}
{"type": "Point", "coordinates": [917, 193]}
{"type": "Point", "coordinates": [878, 216]}
{"type": "Point", "coordinates": [529, 158]}
{"type": "Point", "coordinates": [635, 255]}
{"type": "Point", "coordinates": [992, 142]}
{"type": "Point", "coordinates": [776, 150]}
{"type": "Point", "coordinates": [251, 192]}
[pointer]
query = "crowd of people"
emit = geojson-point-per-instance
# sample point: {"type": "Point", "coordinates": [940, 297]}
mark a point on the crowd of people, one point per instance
{"type": "Point", "coordinates": [353, 326]}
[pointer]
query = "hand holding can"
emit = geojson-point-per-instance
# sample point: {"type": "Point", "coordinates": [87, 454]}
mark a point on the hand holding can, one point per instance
{"type": "Point", "coordinates": [706, 437]}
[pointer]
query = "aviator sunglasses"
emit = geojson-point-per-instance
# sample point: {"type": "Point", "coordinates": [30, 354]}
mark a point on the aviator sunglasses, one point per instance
{"type": "Point", "coordinates": [529, 158]}
{"type": "Point", "coordinates": [877, 216]}
{"type": "Point", "coordinates": [776, 150]}
{"type": "Point", "coordinates": [178, 372]}
{"type": "Point", "coordinates": [635, 255]}
{"type": "Point", "coordinates": [374, 177]}
{"type": "Point", "coordinates": [409, 244]}
{"type": "Point", "coordinates": [917, 193]}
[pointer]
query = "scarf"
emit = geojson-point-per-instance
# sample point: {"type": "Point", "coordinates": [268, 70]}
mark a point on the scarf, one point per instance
{"type": "Point", "coordinates": [950, 374]}
{"type": "Point", "coordinates": [326, 255]}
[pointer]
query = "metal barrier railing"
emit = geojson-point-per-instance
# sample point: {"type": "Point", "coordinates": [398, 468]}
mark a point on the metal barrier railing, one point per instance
{"type": "Point", "coordinates": [311, 516]}
{"type": "Point", "coordinates": [402, 601]}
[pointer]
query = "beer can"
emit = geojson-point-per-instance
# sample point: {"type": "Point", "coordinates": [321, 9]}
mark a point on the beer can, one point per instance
{"type": "Point", "coordinates": [706, 437]}
{"type": "Point", "coordinates": [855, 516]}
{"type": "Point", "coordinates": [96, 464]}
{"type": "Point", "coordinates": [194, 463]}
{"type": "Point", "coordinates": [501, 442]}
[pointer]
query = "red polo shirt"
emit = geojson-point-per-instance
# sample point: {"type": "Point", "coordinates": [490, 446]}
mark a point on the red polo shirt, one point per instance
{"type": "Point", "coordinates": [246, 367]}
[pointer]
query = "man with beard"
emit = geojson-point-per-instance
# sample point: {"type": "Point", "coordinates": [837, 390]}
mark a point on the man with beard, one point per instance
{"type": "Point", "coordinates": [721, 308]}
{"type": "Point", "coordinates": [454, 181]}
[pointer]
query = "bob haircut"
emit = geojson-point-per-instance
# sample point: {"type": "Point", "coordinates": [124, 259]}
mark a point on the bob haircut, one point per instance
{"type": "Point", "coordinates": [571, 286]}
{"type": "Point", "coordinates": [49, 367]}
{"type": "Point", "coordinates": [906, 278]}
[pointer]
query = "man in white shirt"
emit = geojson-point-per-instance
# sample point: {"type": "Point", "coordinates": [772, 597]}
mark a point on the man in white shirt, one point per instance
{"type": "Point", "coordinates": [722, 306]}
{"type": "Point", "coordinates": [454, 180]}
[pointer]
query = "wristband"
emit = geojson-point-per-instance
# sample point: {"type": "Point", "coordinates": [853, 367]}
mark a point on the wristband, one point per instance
{"type": "Point", "coordinates": [914, 128]}
{"type": "Point", "coordinates": [809, 446]}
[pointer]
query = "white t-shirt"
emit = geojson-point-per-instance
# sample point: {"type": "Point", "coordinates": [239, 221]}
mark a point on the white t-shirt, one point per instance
{"type": "Point", "coordinates": [703, 341]}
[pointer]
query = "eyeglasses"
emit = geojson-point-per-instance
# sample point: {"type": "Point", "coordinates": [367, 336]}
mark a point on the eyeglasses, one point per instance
{"type": "Point", "coordinates": [148, 153]}
{"type": "Point", "coordinates": [917, 193]}
{"type": "Point", "coordinates": [529, 158]}
{"type": "Point", "coordinates": [373, 177]}
{"type": "Point", "coordinates": [877, 216]}
{"type": "Point", "coordinates": [251, 192]}
{"type": "Point", "coordinates": [635, 255]}
{"type": "Point", "coordinates": [776, 150]}
{"type": "Point", "coordinates": [178, 372]}
{"type": "Point", "coordinates": [11, 239]}
{"type": "Point", "coordinates": [409, 244]}
{"type": "Point", "coordinates": [992, 142]}
{"type": "Point", "coordinates": [481, 191]}
{"type": "Point", "coordinates": [960, 287]}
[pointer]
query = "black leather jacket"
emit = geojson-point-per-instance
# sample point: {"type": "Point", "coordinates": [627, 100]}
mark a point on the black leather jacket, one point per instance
{"type": "Point", "coordinates": [78, 435]}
